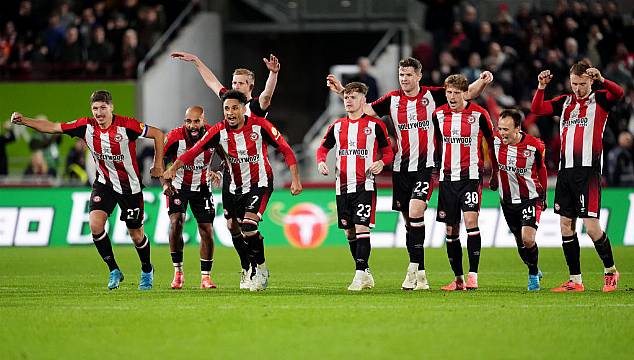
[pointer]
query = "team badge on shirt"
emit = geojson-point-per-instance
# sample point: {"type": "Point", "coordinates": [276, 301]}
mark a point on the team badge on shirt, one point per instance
{"type": "Point", "coordinates": [425, 101]}
{"type": "Point", "coordinates": [254, 136]}
{"type": "Point", "coordinates": [118, 137]}
{"type": "Point", "coordinates": [527, 153]}
{"type": "Point", "coordinates": [471, 119]}
{"type": "Point", "coordinates": [367, 130]}
{"type": "Point", "coordinates": [276, 134]}
{"type": "Point", "coordinates": [96, 199]}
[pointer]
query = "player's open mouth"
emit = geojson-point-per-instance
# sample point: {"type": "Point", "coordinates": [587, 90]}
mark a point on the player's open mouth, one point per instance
{"type": "Point", "coordinates": [194, 133]}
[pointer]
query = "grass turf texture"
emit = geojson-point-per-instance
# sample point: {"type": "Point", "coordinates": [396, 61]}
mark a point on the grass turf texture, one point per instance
{"type": "Point", "coordinates": [54, 304]}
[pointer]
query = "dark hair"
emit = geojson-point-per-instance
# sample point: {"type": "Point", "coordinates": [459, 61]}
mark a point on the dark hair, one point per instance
{"type": "Point", "coordinates": [356, 86]}
{"type": "Point", "coordinates": [457, 81]}
{"type": "Point", "coordinates": [411, 62]}
{"type": "Point", "coordinates": [579, 68]}
{"type": "Point", "coordinates": [517, 116]}
{"type": "Point", "coordinates": [235, 94]}
{"type": "Point", "coordinates": [101, 95]}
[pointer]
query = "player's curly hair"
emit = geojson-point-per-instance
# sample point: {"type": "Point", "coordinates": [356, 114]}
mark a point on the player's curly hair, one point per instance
{"type": "Point", "coordinates": [235, 94]}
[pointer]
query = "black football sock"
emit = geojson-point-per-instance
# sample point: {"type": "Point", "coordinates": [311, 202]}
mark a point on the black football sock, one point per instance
{"type": "Point", "coordinates": [143, 250]}
{"type": "Point", "coordinates": [241, 248]}
{"type": "Point", "coordinates": [256, 246]}
{"type": "Point", "coordinates": [531, 259]}
{"type": "Point", "coordinates": [177, 260]}
{"type": "Point", "coordinates": [205, 266]}
{"type": "Point", "coordinates": [454, 253]}
{"type": "Point", "coordinates": [418, 242]}
{"type": "Point", "coordinates": [474, 244]}
{"type": "Point", "coordinates": [363, 250]}
{"type": "Point", "coordinates": [104, 247]}
{"type": "Point", "coordinates": [604, 249]}
{"type": "Point", "coordinates": [570, 244]}
{"type": "Point", "coordinates": [409, 243]}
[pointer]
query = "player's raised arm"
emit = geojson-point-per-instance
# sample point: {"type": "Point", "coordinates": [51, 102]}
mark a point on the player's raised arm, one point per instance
{"type": "Point", "coordinates": [539, 106]}
{"type": "Point", "coordinates": [477, 87]}
{"type": "Point", "coordinates": [40, 125]}
{"type": "Point", "coordinates": [210, 78]}
{"type": "Point", "coordinates": [273, 64]}
{"type": "Point", "coordinates": [615, 92]}
{"type": "Point", "coordinates": [159, 142]}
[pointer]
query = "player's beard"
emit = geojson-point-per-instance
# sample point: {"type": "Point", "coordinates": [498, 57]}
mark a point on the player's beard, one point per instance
{"type": "Point", "coordinates": [200, 133]}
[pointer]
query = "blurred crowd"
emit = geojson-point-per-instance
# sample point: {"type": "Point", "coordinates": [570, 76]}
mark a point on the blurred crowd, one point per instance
{"type": "Point", "coordinates": [79, 38]}
{"type": "Point", "coordinates": [516, 46]}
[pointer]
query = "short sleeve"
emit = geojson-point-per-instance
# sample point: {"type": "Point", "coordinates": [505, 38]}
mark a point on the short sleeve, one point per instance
{"type": "Point", "coordinates": [75, 128]}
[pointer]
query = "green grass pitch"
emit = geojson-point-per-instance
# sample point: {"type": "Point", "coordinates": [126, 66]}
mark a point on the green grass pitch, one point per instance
{"type": "Point", "coordinates": [54, 304]}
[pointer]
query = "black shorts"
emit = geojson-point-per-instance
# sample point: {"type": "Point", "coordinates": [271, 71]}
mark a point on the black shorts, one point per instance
{"type": "Point", "coordinates": [201, 203]}
{"type": "Point", "coordinates": [255, 201]}
{"type": "Point", "coordinates": [454, 196]}
{"type": "Point", "coordinates": [358, 208]}
{"type": "Point", "coordinates": [411, 185]}
{"type": "Point", "coordinates": [104, 198]}
{"type": "Point", "coordinates": [526, 213]}
{"type": "Point", "coordinates": [578, 193]}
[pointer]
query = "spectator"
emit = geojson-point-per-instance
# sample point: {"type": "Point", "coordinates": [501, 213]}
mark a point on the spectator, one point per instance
{"type": "Point", "coordinates": [25, 21]}
{"type": "Point", "coordinates": [54, 35]}
{"type": "Point", "coordinates": [71, 54]}
{"type": "Point", "coordinates": [150, 27]}
{"type": "Point", "coordinates": [364, 77]}
{"type": "Point", "coordinates": [6, 137]}
{"type": "Point", "coordinates": [67, 17]}
{"type": "Point", "coordinates": [87, 25]}
{"type": "Point", "coordinates": [621, 163]}
{"type": "Point", "coordinates": [474, 69]}
{"type": "Point", "coordinates": [131, 53]}
{"type": "Point", "coordinates": [76, 162]}
{"type": "Point", "coordinates": [100, 53]}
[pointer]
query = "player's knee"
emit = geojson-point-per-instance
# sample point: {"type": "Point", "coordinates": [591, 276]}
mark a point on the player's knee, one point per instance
{"type": "Point", "coordinates": [205, 232]}
{"type": "Point", "coordinates": [249, 227]}
{"type": "Point", "coordinates": [595, 233]}
{"type": "Point", "coordinates": [176, 222]}
{"type": "Point", "coordinates": [351, 235]}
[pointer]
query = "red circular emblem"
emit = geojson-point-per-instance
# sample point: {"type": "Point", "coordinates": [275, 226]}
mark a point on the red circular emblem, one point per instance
{"type": "Point", "coordinates": [424, 101]}
{"type": "Point", "coordinates": [367, 130]}
{"type": "Point", "coordinates": [471, 119]}
{"type": "Point", "coordinates": [254, 136]}
{"type": "Point", "coordinates": [118, 137]}
{"type": "Point", "coordinates": [177, 201]}
{"type": "Point", "coordinates": [306, 225]}
{"type": "Point", "coordinates": [527, 152]}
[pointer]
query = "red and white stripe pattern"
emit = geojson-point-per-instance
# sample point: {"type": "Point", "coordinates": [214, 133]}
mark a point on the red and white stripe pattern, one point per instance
{"type": "Point", "coordinates": [581, 130]}
{"type": "Point", "coordinates": [190, 176]}
{"type": "Point", "coordinates": [113, 149]}
{"type": "Point", "coordinates": [356, 151]}
{"type": "Point", "coordinates": [519, 169]}
{"type": "Point", "coordinates": [461, 142]}
{"type": "Point", "coordinates": [414, 130]}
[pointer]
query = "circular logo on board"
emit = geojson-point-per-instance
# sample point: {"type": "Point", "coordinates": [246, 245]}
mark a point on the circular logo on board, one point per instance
{"type": "Point", "coordinates": [96, 198]}
{"type": "Point", "coordinates": [306, 225]}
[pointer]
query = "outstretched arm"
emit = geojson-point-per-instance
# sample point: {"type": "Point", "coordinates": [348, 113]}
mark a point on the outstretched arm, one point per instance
{"type": "Point", "coordinates": [210, 78]}
{"type": "Point", "coordinates": [40, 125]}
{"type": "Point", "coordinates": [274, 67]}
{"type": "Point", "coordinates": [477, 87]}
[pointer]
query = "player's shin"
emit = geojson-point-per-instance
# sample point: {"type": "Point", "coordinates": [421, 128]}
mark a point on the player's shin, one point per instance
{"type": "Point", "coordinates": [417, 233]}
{"type": "Point", "coordinates": [363, 250]}
{"type": "Point", "coordinates": [143, 250]}
{"type": "Point", "coordinates": [239, 243]}
{"type": "Point", "coordinates": [570, 245]}
{"type": "Point", "coordinates": [454, 253]}
{"type": "Point", "coordinates": [104, 247]}
{"type": "Point", "coordinates": [604, 249]}
{"type": "Point", "coordinates": [474, 245]}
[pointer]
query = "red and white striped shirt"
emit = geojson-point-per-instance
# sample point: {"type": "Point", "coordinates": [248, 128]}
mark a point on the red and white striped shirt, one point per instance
{"type": "Point", "coordinates": [192, 177]}
{"type": "Point", "coordinates": [357, 143]}
{"type": "Point", "coordinates": [245, 152]}
{"type": "Point", "coordinates": [413, 128]}
{"type": "Point", "coordinates": [522, 172]}
{"type": "Point", "coordinates": [460, 141]}
{"type": "Point", "coordinates": [582, 122]}
{"type": "Point", "coordinates": [113, 149]}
